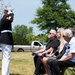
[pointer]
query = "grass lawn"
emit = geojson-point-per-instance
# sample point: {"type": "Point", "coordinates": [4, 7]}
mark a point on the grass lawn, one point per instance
{"type": "Point", "coordinates": [21, 63]}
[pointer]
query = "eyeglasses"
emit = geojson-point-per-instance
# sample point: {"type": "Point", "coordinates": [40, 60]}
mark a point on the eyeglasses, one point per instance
{"type": "Point", "coordinates": [63, 35]}
{"type": "Point", "coordinates": [51, 33]}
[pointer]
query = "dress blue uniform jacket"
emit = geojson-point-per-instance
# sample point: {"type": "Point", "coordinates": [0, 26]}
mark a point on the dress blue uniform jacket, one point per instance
{"type": "Point", "coordinates": [5, 24]}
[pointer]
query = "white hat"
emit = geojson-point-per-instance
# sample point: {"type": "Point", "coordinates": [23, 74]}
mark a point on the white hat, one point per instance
{"type": "Point", "coordinates": [9, 11]}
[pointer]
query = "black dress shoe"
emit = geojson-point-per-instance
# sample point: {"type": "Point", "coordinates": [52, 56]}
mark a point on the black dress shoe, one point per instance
{"type": "Point", "coordinates": [36, 74]}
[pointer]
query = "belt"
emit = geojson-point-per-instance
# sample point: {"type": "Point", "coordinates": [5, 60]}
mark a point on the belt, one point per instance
{"type": "Point", "coordinates": [6, 31]}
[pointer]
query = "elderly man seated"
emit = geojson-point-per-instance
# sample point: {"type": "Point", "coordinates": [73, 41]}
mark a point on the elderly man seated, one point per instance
{"type": "Point", "coordinates": [50, 47]}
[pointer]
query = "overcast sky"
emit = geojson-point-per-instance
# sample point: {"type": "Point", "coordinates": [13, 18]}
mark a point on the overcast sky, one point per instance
{"type": "Point", "coordinates": [25, 10]}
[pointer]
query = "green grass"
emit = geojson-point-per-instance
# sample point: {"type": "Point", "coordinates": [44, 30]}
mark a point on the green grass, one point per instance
{"type": "Point", "coordinates": [21, 63]}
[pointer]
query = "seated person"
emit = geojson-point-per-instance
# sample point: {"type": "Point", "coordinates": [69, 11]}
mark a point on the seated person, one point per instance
{"type": "Point", "coordinates": [67, 60]}
{"type": "Point", "coordinates": [50, 47]}
{"type": "Point", "coordinates": [61, 49]}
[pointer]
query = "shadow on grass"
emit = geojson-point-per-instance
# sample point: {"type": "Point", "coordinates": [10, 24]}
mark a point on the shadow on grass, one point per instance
{"type": "Point", "coordinates": [14, 74]}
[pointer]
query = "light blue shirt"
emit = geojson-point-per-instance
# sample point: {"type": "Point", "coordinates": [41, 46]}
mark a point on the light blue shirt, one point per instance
{"type": "Point", "coordinates": [70, 48]}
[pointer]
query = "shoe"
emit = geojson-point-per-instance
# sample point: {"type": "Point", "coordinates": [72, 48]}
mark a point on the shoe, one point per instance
{"type": "Point", "coordinates": [34, 74]}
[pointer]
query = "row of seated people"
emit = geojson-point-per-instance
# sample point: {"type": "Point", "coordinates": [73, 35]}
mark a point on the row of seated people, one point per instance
{"type": "Point", "coordinates": [56, 51]}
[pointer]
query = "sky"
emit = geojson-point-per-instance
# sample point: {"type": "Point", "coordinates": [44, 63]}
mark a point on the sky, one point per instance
{"type": "Point", "coordinates": [25, 10]}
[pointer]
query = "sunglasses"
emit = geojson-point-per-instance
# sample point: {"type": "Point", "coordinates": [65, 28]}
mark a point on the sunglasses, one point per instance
{"type": "Point", "coordinates": [51, 33]}
{"type": "Point", "coordinates": [63, 35]}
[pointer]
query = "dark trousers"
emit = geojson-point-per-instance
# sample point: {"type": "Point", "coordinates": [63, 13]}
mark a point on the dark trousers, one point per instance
{"type": "Point", "coordinates": [38, 65]}
{"type": "Point", "coordinates": [54, 66]}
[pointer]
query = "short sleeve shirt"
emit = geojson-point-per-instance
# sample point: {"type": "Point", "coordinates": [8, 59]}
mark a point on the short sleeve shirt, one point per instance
{"type": "Point", "coordinates": [53, 43]}
{"type": "Point", "coordinates": [70, 48]}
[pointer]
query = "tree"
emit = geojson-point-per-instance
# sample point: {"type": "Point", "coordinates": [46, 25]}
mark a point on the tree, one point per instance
{"type": "Point", "coordinates": [22, 34]}
{"type": "Point", "coordinates": [41, 37]}
{"type": "Point", "coordinates": [54, 13]}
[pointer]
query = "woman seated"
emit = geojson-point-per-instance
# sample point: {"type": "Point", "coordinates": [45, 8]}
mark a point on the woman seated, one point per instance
{"type": "Point", "coordinates": [61, 49]}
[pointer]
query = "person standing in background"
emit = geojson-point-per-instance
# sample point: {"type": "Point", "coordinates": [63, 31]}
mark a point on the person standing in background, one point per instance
{"type": "Point", "coordinates": [6, 40]}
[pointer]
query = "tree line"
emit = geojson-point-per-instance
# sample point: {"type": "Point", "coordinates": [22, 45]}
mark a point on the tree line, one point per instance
{"type": "Point", "coordinates": [23, 35]}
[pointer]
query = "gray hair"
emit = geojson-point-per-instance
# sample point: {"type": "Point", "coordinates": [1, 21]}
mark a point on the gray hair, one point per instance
{"type": "Point", "coordinates": [68, 33]}
{"type": "Point", "coordinates": [53, 31]}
